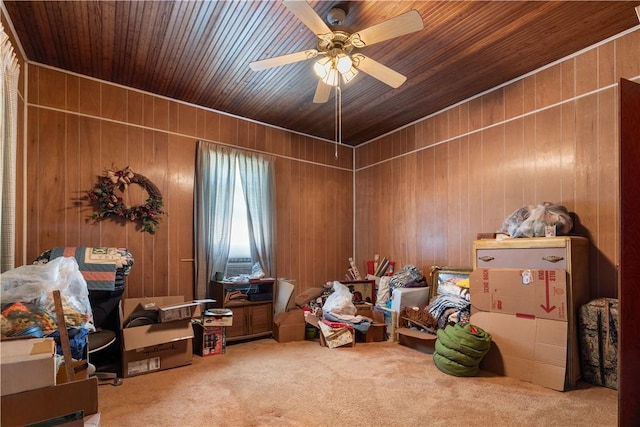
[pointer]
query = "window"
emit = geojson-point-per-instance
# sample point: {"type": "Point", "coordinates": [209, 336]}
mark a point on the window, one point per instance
{"type": "Point", "coordinates": [239, 224]}
{"type": "Point", "coordinates": [231, 186]}
{"type": "Point", "coordinates": [239, 261]}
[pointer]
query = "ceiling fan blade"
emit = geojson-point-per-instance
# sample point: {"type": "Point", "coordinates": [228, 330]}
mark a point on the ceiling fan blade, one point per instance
{"type": "Point", "coordinates": [400, 25]}
{"type": "Point", "coordinates": [375, 69]}
{"type": "Point", "coordinates": [305, 13]}
{"type": "Point", "coordinates": [283, 60]}
{"type": "Point", "coordinates": [323, 91]}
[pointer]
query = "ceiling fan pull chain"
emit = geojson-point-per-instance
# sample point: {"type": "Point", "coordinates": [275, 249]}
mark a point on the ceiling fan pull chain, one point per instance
{"type": "Point", "coordinates": [338, 118]}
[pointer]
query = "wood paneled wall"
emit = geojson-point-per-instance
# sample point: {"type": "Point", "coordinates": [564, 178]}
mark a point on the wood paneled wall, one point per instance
{"type": "Point", "coordinates": [424, 192]}
{"type": "Point", "coordinates": [78, 127]}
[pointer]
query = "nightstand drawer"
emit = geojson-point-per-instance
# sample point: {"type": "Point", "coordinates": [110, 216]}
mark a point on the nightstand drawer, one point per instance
{"type": "Point", "coordinates": [530, 258]}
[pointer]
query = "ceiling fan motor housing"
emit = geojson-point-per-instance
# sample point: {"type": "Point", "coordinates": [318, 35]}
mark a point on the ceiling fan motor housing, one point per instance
{"type": "Point", "coordinates": [339, 43]}
{"type": "Point", "coordinates": [336, 16]}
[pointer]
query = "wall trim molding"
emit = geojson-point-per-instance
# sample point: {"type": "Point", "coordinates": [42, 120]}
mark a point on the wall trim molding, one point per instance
{"type": "Point", "coordinates": [168, 132]}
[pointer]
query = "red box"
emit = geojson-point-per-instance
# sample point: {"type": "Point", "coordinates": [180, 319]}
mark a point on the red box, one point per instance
{"type": "Point", "coordinates": [209, 341]}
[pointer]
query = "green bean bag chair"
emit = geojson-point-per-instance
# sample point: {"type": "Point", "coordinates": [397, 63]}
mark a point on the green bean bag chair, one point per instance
{"type": "Point", "coordinates": [459, 349]}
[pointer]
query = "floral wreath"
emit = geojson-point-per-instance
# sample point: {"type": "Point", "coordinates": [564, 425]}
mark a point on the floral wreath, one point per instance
{"type": "Point", "coordinates": [107, 204]}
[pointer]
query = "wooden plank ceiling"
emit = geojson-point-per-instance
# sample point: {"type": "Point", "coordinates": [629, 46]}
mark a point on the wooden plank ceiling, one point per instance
{"type": "Point", "coordinates": [199, 52]}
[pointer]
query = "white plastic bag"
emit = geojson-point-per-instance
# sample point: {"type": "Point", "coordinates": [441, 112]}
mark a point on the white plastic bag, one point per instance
{"type": "Point", "coordinates": [35, 284]}
{"type": "Point", "coordinates": [340, 301]}
{"type": "Point", "coordinates": [530, 221]}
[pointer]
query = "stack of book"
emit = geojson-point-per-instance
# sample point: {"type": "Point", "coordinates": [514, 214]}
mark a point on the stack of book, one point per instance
{"type": "Point", "coordinates": [381, 267]}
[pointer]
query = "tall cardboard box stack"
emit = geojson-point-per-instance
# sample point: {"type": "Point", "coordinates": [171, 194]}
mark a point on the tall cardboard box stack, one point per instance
{"type": "Point", "coordinates": [526, 313]}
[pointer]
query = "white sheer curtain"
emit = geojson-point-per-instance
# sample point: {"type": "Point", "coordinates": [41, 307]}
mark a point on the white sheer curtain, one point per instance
{"type": "Point", "coordinates": [9, 72]}
{"type": "Point", "coordinates": [258, 181]}
{"type": "Point", "coordinates": [213, 199]}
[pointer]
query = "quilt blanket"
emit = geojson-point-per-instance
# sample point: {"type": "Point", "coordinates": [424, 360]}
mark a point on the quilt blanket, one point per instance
{"type": "Point", "coordinates": [97, 265]}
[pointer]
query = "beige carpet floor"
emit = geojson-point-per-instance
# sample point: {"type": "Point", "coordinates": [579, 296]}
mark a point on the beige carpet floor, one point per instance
{"type": "Point", "coordinates": [264, 383]}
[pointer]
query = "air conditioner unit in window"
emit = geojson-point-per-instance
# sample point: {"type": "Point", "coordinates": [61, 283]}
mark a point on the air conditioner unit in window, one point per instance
{"type": "Point", "coordinates": [238, 266]}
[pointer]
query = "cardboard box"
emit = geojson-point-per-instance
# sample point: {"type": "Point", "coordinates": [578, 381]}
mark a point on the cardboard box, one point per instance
{"type": "Point", "coordinates": [80, 371]}
{"type": "Point", "coordinates": [364, 309]}
{"type": "Point", "coordinates": [217, 317]}
{"type": "Point", "coordinates": [311, 319]}
{"type": "Point", "coordinates": [376, 333]}
{"type": "Point", "coordinates": [289, 326]}
{"type": "Point", "coordinates": [525, 311]}
{"type": "Point", "coordinates": [377, 329]}
{"type": "Point", "coordinates": [175, 312]}
{"type": "Point", "coordinates": [27, 364]}
{"type": "Point", "coordinates": [208, 340]}
{"type": "Point", "coordinates": [420, 341]}
{"type": "Point", "coordinates": [532, 350]}
{"type": "Point", "coordinates": [170, 309]}
{"type": "Point", "coordinates": [409, 297]}
{"type": "Point", "coordinates": [283, 300]}
{"type": "Point", "coordinates": [524, 293]}
{"type": "Point", "coordinates": [336, 337]}
{"type": "Point", "coordinates": [391, 322]}
{"type": "Point", "coordinates": [158, 346]}
{"type": "Point", "coordinates": [41, 404]}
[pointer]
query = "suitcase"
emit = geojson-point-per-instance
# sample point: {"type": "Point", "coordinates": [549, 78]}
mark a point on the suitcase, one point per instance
{"type": "Point", "coordinates": [598, 332]}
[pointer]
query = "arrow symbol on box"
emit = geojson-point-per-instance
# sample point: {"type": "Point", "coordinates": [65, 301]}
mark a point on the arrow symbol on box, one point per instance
{"type": "Point", "coordinates": [546, 307]}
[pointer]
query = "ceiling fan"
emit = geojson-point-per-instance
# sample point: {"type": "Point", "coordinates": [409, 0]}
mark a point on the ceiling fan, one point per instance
{"type": "Point", "coordinates": [336, 46]}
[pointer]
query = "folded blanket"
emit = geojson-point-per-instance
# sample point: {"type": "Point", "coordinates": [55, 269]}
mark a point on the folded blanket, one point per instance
{"type": "Point", "coordinates": [353, 322]}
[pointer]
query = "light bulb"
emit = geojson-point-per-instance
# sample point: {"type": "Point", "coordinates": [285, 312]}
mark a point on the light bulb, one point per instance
{"type": "Point", "coordinates": [322, 67]}
{"type": "Point", "coordinates": [348, 75]}
{"type": "Point", "coordinates": [343, 63]}
{"type": "Point", "coordinates": [331, 78]}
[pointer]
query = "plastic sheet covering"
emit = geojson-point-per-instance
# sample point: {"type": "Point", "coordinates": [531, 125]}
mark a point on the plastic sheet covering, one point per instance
{"type": "Point", "coordinates": [531, 221]}
{"type": "Point", "coordinates": [32, 286]}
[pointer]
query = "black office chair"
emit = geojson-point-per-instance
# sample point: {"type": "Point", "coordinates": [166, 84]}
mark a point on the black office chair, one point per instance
{"type": "Point", "coordinates": [103, 345]}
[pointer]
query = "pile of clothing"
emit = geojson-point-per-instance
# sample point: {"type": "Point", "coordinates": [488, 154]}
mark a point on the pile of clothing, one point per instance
{"type": "Point", "coordinates": [452, 302]}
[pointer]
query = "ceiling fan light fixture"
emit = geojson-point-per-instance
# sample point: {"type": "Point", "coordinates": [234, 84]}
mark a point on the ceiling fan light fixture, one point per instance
{"type": "Point", "coordinates": [322, 67]}
{"type": "Point", "coordinates": [332, 77]}
{"type": "Point", "coordinates": [335, 46]}
{"type": "Point", "coordinates": [348, 75]}
{"type": "Point", "coordinates": [343, 63]}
